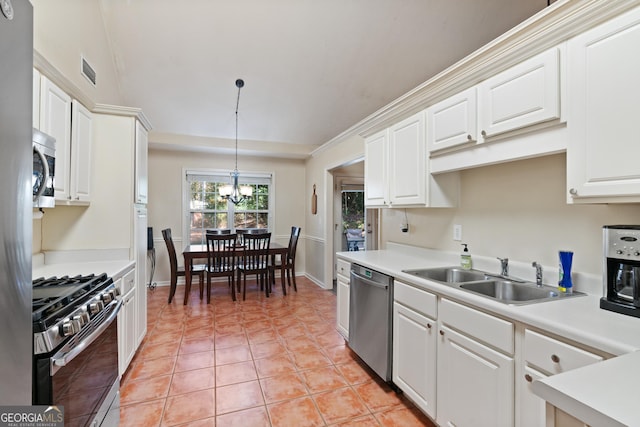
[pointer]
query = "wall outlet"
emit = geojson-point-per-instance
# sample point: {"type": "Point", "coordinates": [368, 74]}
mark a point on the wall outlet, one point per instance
{"type": "Point", "coordinates": [457, 232]}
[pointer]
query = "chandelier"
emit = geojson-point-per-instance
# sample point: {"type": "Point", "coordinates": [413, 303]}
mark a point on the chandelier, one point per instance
{"type": "Point", "coordinates": [234, 192]}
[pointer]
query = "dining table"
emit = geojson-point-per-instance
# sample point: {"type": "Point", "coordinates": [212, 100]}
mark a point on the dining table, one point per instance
{"type": "Point", "coordinates": [199, 251]}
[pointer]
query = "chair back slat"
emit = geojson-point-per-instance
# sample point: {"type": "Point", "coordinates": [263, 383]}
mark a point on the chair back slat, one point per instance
{"type": "Point", "coordinates": [293, 244]}
{"type": "Point", "coordinates": [218, 231]}
{"type": "Point", "coordinates": [171, 250]}
{"type": "Point", "coordinates": [221, 252]}
{"type": "Point", "coordinates": [255, 255]}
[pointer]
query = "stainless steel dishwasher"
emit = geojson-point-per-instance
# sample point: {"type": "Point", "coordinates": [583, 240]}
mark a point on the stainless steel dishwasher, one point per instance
{"type": "Point", "coordinates": [370, 316]}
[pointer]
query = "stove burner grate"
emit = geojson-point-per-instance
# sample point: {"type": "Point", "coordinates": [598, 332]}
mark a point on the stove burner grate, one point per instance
{"type": "Point", "coordinates": [55, 297]}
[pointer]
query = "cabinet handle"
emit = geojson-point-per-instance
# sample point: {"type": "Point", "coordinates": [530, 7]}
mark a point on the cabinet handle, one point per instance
{"type": "Point", "coordinates": [469, 137]}
{"type": "Point", "coordinates": [428, 325]}
{"type": "Point", "coordinates": [573, 191]}
{"type": "Point", "coordinates": [528, 378]}
{"type": "Point", "coordinates": [555, 358]}
{"type": "Point", "coordinates": [484, 134]}
{"type": "Point", "coordinates": [441, 332]}
{"type": "Point", "coordinates": [77, 197]}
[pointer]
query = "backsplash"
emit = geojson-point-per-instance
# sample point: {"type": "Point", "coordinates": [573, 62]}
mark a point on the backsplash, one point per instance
{"type": "Point", "coordinates": [516, 210]}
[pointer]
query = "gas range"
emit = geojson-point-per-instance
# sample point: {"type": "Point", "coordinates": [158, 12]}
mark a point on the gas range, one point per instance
{"type": "Point", "coordinates": [64, 307]}
{"type": "Point", "coordinates": [75, 347]}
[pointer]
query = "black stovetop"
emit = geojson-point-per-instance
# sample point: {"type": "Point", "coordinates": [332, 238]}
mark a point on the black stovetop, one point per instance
{"type": "Point", "coordinates": [56, 297]}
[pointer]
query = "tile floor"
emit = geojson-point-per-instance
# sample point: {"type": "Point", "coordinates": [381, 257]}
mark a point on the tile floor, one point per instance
{"type": "Point", "coordinates": [274, 361]}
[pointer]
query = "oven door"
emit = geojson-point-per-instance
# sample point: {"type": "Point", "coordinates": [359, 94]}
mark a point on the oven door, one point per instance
{"type": "Point", "coordinates": [82, 375]}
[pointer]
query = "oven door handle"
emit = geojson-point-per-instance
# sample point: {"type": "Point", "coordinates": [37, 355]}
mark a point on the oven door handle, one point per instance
{"type": "Point", "coordinates": [67, 357]}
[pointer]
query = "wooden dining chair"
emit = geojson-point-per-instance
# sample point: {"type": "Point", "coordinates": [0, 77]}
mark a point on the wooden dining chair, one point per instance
{"type": "Point", "coordinates": [221, 260]}
{"type": "Point", "coordinates": [218, 231]}
{"type": "Point", "coordinates": [287, 262]}
{"type": "Point", "coordinates": [176, 270]}
{"type": "Point", "coordinates": [255, 260]}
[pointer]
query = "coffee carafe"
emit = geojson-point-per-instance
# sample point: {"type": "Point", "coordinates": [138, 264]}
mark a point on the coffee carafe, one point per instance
{"type": "Point", "coordinates": [621, 277]}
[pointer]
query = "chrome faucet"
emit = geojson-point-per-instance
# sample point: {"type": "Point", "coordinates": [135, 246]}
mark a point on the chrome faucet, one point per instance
{"type": "Point", "coordinates": [538, 268]}
{"type": "Point", "coordinates": [504, 266]}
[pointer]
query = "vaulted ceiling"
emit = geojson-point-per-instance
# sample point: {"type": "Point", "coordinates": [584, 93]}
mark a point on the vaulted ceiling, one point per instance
{"type": "Point", "coordinates": [312, 68]}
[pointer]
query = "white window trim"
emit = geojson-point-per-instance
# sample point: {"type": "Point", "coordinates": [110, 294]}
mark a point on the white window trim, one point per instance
{"type": "Point", "coordinates": [186, 195]}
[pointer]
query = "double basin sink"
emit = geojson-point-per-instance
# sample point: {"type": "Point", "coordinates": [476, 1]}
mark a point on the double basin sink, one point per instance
{"type": "Point", "coordinates": [502, 289]}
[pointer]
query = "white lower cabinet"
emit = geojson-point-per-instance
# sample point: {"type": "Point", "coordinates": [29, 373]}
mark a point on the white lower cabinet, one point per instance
{"type": "Point", "coordinates": [342, 294]}
{"type": "Point", "coordinates": [475, 374]}
{"type": "Point", "coordinates": [127, 334]}
{"type": "Point", "coordinates": [415, 345]}
{"type": "Point", "coordinates": [544, 356]}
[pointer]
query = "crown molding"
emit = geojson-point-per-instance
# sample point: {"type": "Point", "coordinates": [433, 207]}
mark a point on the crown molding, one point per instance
{"type": "Point", "coordinates": [117, 110]}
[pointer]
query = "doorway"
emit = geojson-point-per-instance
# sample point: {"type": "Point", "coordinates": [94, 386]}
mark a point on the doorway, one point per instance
{"type": "Point", "coordinates": [349, 213]}
{"type": "Point", "coordinates": [352, 217]}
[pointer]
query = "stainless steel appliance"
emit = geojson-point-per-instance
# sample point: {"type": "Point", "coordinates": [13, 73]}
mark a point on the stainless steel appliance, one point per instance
{"type": "Point", "coordinates": [16, 87]}
{"type": "Point", "coordinates": [370, 316]}
{"type": "Point", "coordinates": [621, 269]}
{"type": "Point", "coordinates": [75, 348]}
{"type": "Point", "coordinates": [44, 169]}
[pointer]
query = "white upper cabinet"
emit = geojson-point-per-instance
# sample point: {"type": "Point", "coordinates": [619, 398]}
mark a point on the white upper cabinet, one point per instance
{"type": "Point", "coordinates": [81, 142]}
{"type": "Point", "coordinates": [523, 95]}
{"type": "Point", "coordinates": [55, 120]}
{"type": "Point", "coordinates": [69, 122]}
{"type": "Point", "coordinates": [36, 99]}
{"type": "Point", "coordinates": [376, 189]}
{"type": "Point", "coordinates": [407, 162]}
{"type": "Point", "coordinates": [396, 169]}
{"type": "Point", "coordinates": [453, 121]}
{"type": "Point", "coordinates": [604, 94]}
{"type": "Point", "coordinates": [141, 169]}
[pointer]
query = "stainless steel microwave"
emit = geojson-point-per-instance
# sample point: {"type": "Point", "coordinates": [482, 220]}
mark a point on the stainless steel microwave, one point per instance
{"type": "Point", "coordinates": [44, 169]}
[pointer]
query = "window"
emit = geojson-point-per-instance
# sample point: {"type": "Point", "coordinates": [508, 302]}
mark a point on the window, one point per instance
{"type": "Point", "coordinates": [206, 209]}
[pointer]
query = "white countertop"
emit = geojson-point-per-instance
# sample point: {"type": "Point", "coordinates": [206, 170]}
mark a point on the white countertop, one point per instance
{"type": "Point", "coordinates": [577, 318]}
{"type": "Point", "coordinates": [602, 394]}
{"type": "Point", "coordinates": [73, 264]}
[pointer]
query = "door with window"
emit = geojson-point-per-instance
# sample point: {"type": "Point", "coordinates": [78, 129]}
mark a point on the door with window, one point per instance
{"type": "Point", "coordinates": [206, 209]}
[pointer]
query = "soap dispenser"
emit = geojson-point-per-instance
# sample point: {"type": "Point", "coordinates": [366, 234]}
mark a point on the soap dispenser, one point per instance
{"type": "Point", "coordinates": [465, 258]}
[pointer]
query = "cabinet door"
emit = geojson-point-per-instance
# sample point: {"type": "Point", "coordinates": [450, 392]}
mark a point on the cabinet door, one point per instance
{"type": "Point", "coordinates": [602, 155]}
{"type": "Point", "coordinates": [524, 95]}
{"type": "Point", "coordinates": [342, 293]}
{"type": "Point", "coordinates": [407, 162]}
{"type": "Point", "coordinates": [141, 172]}
{"type": "Point", "coordinates": [414, 357]}
{"type": "Point", "coordinates": [453, 121]}
{"type": "Point", "coordinates": [531, 408]}
{"type": "Point", "coordinates": [140, 247]}
{"type": "Point", "coordinates": [376, 187]}
{"type": "Point", "coordinates": [475, 383]}
{"type": "Point", "coordinates": [36, 98]}
{"type": "Point", "coordinates": [55, 120]}
{"type": "Point", "coordinates": [81, 161]}
{"type": "Point", "coordinates": [126, 331]}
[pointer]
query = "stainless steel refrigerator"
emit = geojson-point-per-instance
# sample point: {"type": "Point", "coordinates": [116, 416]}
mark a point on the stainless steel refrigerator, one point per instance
{"type": "Point", "coordinates": [16, 88]}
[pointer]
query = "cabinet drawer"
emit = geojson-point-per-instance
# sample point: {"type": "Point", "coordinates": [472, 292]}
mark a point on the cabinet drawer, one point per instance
{"type": "Point", "coordinates": [128, 282]}
{"type": "Point", "coordinates": [554, 356]}
{"type": "Point", "coordinates": [344, 268]}
{"type": "Point", "coordinates": [416, 299]}
{"type": "Point", "coordinates": [496, 332]}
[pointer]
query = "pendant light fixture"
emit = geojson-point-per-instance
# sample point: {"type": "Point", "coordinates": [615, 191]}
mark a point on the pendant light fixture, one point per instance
{"type": "Point", "coordinates": [234, 192]}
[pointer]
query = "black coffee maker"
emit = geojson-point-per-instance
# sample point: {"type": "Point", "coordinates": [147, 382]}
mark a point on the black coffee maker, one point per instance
{"type": "Point", "coordinates": [621, 269]}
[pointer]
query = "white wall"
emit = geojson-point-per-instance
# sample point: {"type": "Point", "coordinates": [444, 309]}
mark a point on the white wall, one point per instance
{"type": "Point", "coordinates": [165, 197]}
{"type": "Point", "coordinates": [515, 210]}
{"type": "Point", "coordinates": [64, 30]}
{"type": "Point", "coordinates": [317, 247]}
